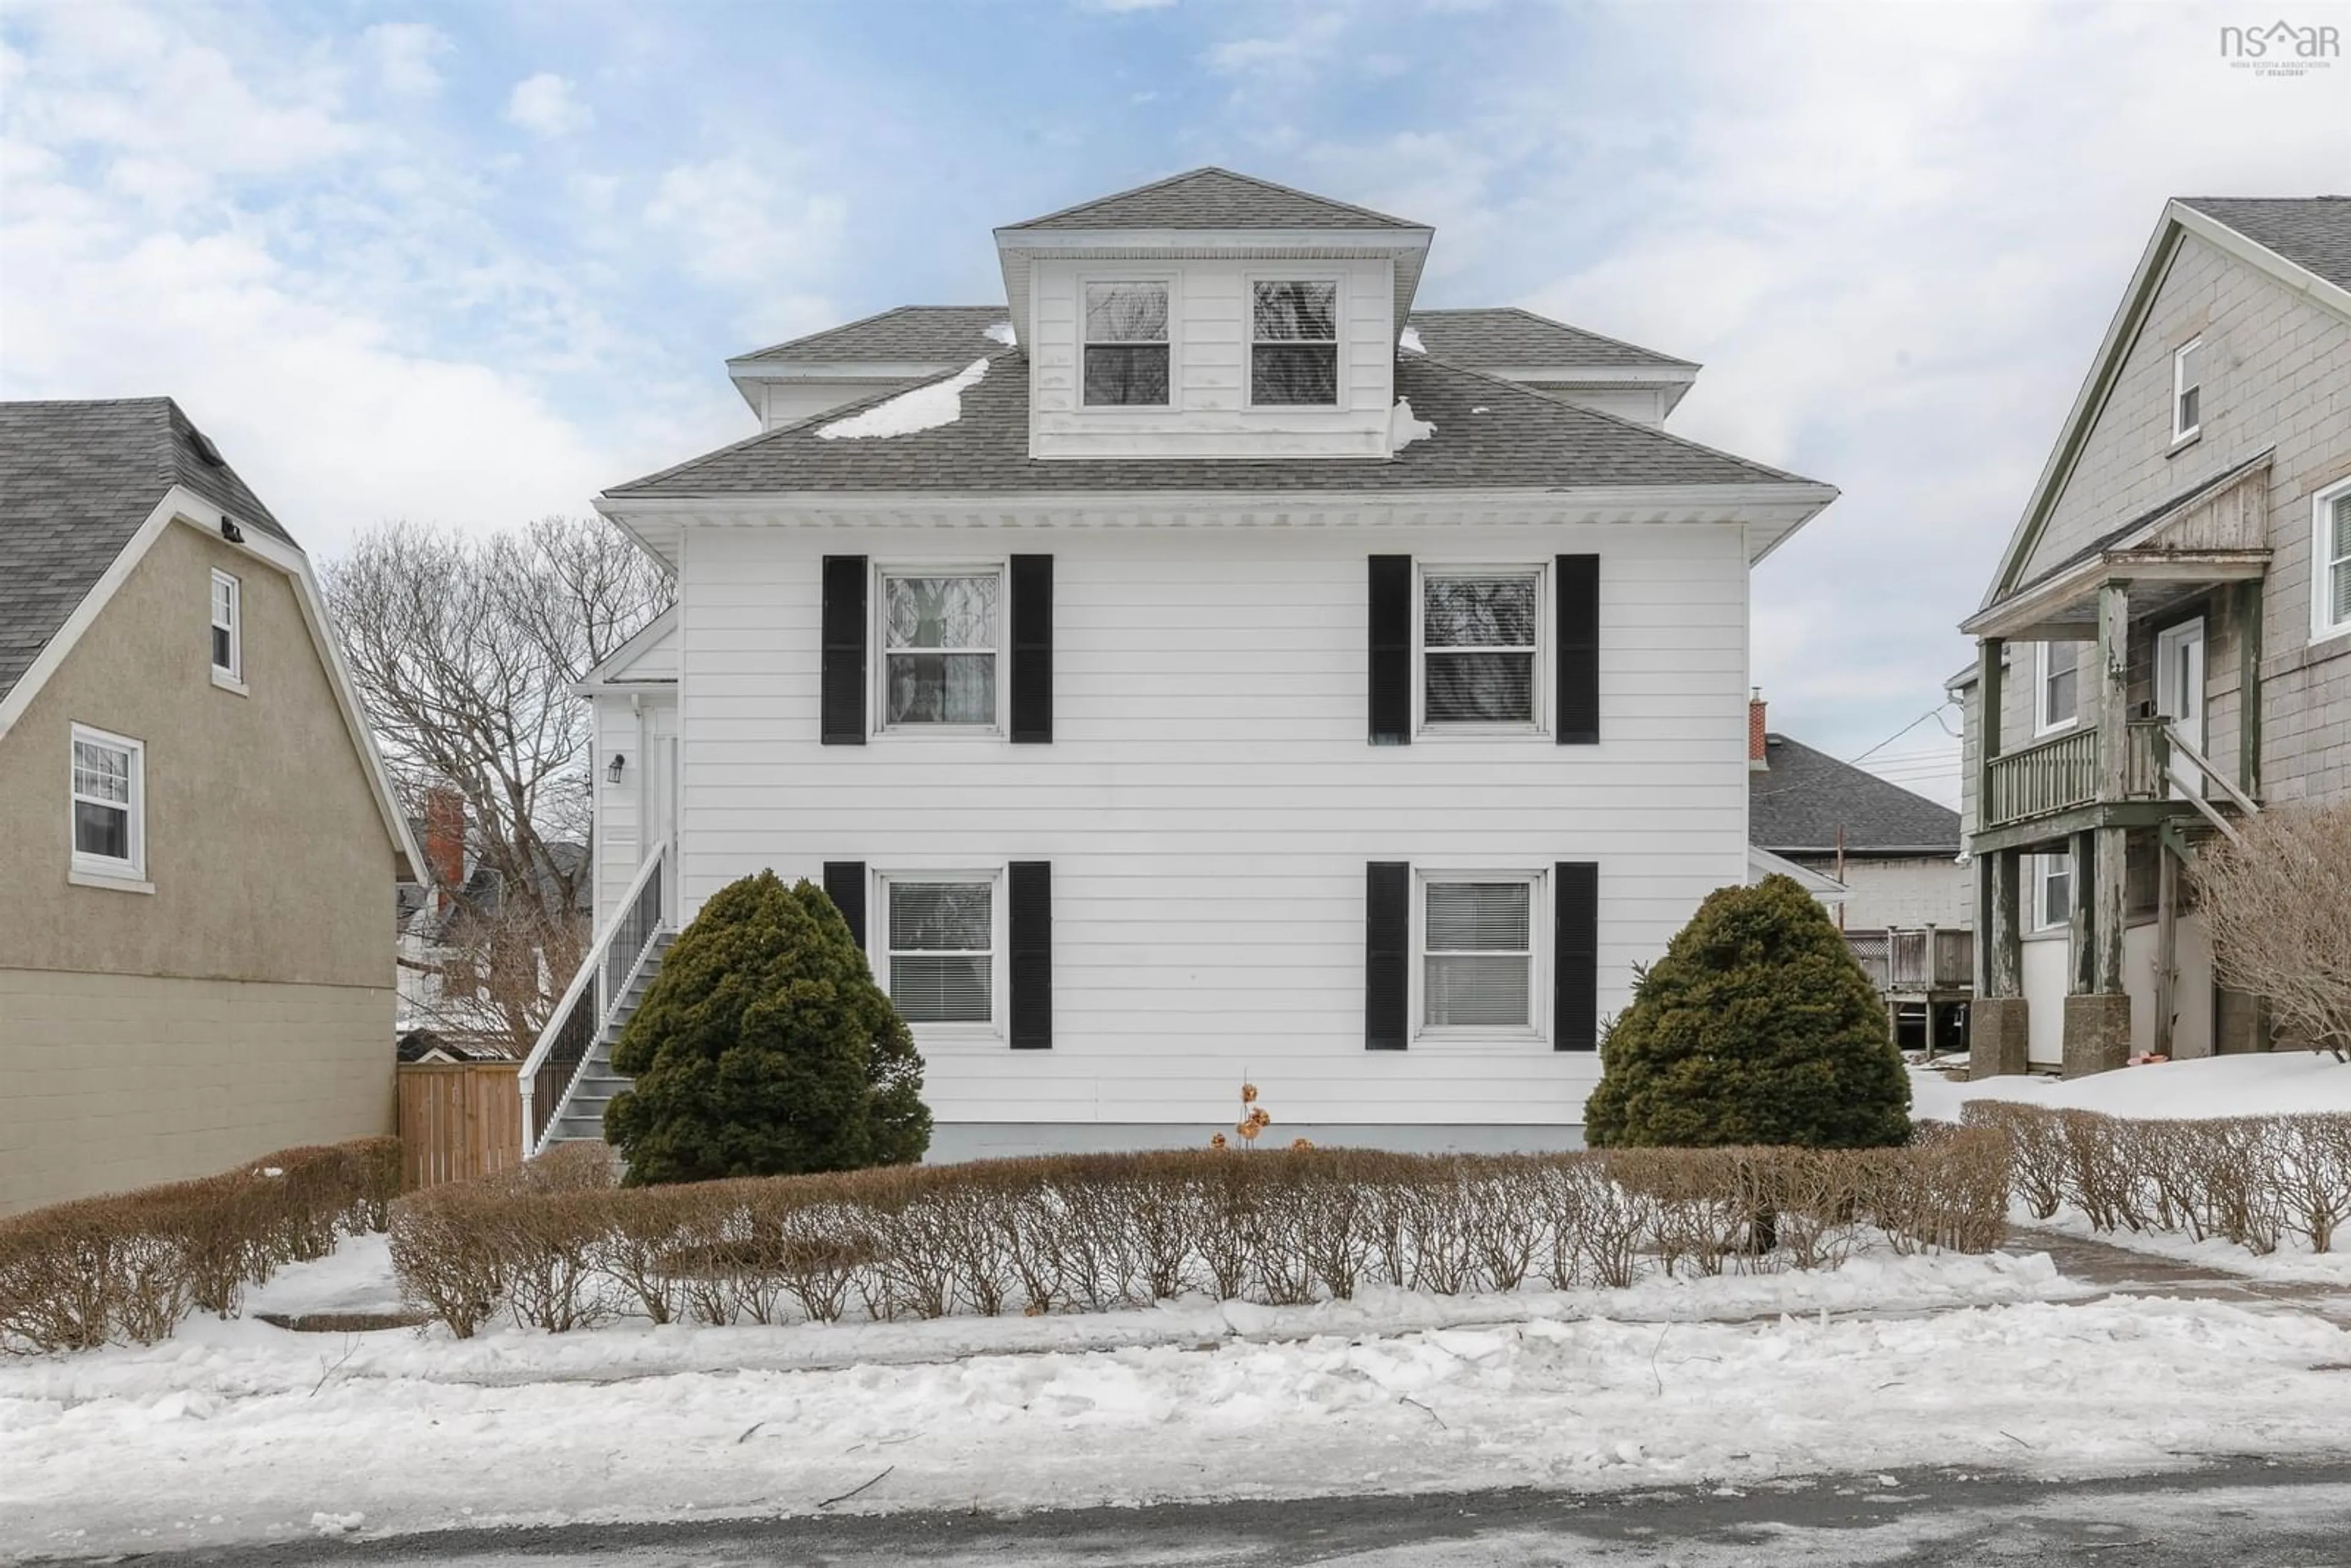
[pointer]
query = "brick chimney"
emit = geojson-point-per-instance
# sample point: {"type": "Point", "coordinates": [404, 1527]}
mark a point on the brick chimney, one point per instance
{"type": "Point", "coordinates": [444, 837]}
{"type": "Point", "coordinates": [1757, 761]}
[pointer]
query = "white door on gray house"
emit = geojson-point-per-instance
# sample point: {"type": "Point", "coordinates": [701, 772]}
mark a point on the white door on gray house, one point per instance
{"type": "Point", "coordinates": [2180, 697]}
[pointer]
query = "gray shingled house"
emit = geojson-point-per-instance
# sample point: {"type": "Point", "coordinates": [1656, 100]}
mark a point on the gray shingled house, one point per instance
{"type": "Point", "coordinates": [1203, 662]}
{"type": "Point", "coordinates": [1903, 900]}
{"type": "Point", "coordinates": [195, 834]}
{"type": "Point", "coordinates": [2167, 642]}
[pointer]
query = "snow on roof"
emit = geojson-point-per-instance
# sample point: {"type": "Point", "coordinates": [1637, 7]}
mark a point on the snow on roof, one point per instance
{"type": "Point", "coordinates": [1404, 429]}
{"type": "Point", "coordinates": [925, 408]}
{"type": "Point", "coordinates": [1003, 333]}
{"type": "Point", "coordinates": [1409, 341]}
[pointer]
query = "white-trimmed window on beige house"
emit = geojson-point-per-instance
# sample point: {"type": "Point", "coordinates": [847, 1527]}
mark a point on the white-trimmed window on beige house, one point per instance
{"type": "Point", "coordinates": [2056, 686]}
{"type": "Point", "coordinates": [942, 631]}
{"type": "Point", "coordinates": [2188, 390]}
{"type": "Point", "coordinates": [1481, 632]}
{"type": "Point", "coordinates": [1126, 355]}
{"type": "Point", "coordinates": [1480, 936]}
{"type": "Point", "coordinates": [2330, 562]}
{"type": "Point", "coordinates": [109, 807]}
{"type": "Point", "coordinates": [228, 631]}
{"type": "Point", "coordinates": [941, 933]}
{"type": "Point", "coordinates": [1294, 342]}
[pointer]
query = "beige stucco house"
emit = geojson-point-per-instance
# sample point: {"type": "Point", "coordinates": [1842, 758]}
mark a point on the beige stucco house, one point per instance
{"type": "Point", "coordinates": [2167, 642]}
{"type": "Point", "coordinates": [196, 837]}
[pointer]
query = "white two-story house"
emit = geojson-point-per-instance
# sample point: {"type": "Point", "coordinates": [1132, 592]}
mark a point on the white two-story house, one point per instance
{"type": "Point", "coordinates": [1200, 666]}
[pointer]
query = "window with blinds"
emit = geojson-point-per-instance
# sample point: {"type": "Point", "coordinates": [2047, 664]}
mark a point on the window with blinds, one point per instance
{"type": "Point", "coordinates": [942, 950]}
{"type": "Point", "coordinates": [1294, 344]}
{"type": "Point", "coordinates": [2331, 574]}
{"type": "Point", "coordinates": [1479, 633]}
{"type": "Point", "coordinates": [939, 641]}
{"type": "Point", "coordinates": [1126, 345]}
{"type": "Point", "coordinates": [1477, 953]}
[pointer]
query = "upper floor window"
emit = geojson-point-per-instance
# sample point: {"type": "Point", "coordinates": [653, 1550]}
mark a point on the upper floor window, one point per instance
{"type": "Point", "coordinates": [228, 626]}
{"type": "Point", "coordinates": [110, 786]}
{"type": "Point", "coordinates": [2188, 390]}
{"type": "Point", "coordinates": [939, 633]}
{"type": "Point", "coordinates": [1478, 952]}
{"type": "Point", "coordinates": [942, 955]}
{"type": "Point", "coordinates": [2330, 562]}
{"type": "Point", "coordinates": [1294, 343]}
{"type": "Point", "coordinates": [1480, 629]}
{"type": "Point", "coordinates": [2057, 690]}
{"type": "Point", "coordinates": [1126, 345]}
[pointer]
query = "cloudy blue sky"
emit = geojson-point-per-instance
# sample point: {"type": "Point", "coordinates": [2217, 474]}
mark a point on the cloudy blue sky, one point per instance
{"type": "Point", "coordinates": [469, 262]}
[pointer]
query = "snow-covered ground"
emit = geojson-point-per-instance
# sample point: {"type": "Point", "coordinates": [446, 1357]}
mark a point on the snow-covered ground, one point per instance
{"type": "Point", "coordinates": [238, 1431]}
{"type": "Point", "coordinates": [2275, 1085]}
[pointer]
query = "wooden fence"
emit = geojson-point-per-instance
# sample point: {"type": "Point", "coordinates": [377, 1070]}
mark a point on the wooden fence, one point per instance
{"type": "Point", "coordinates": [458, 1120]}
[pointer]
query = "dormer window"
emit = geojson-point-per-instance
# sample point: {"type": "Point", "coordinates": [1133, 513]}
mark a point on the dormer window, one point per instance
{"type": "Point", "coordinates": [1294, 344]}
{"type": "Point", "coordinates": [1126, 345]}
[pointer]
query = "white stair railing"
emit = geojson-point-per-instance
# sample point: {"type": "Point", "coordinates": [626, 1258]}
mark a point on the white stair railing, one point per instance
{"type": "Point", "coordinates": [598, 987]}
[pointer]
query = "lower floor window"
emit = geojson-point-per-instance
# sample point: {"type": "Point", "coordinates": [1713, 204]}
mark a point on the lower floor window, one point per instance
{"type": "Point", "coordinates": [1477, 947]}
{"type": "Point", "coordinates": [942, 949]}
{"type": "Point", "coordinates": [2053, 890]}
{"type": "Point", "coordinates": [108, 784]}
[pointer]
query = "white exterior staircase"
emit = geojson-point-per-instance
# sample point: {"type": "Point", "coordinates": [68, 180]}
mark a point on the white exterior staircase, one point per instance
{"type": "Point", "coordinates": [568, 1079]}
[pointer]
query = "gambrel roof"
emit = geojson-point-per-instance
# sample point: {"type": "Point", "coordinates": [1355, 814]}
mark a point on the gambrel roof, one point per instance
{"type": "Point", "coordinates": [1213, 198]}
{"type": "Point", "coordinates": [77, 482]}
{"type": "Point", "coordinates": [1491, 433]}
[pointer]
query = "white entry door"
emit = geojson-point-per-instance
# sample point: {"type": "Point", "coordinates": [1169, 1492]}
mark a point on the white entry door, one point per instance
{"type": "Point", "coordinates": [661, 784]}
{"type": "Point", "coordinates": [2180, 697]}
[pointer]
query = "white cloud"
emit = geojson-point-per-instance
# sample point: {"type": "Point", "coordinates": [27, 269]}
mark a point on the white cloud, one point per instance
{"type": "Point", "coordinates": [746, 227]}
{"type": "Point", "coordinates": [545, 105]}
{"type": "Point", "coordinates": [403, 53]}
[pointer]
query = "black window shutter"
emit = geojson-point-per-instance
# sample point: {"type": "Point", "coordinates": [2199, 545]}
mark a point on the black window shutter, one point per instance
{"type": "Point", "coordinates": [1387, 953]}
{"type": "Point", "coordinates": [1030, 907]}
{"type": "Point", "coordinates": [1578, 650]}
{"type": "Point", "coordinates": [1575, 956]}
{"type": "Point", "coordinates": [844, 883]}
{"type": "Point", "coordinates": [1032, 649]}
{"type": "Point", "coordinates": [1391, 670]}
{"type": "Point", "coordinates": [844, 689]}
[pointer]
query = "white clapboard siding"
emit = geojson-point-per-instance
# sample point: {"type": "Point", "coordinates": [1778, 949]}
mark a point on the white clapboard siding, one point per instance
{"type": "Point", "coordinates": [619, 844]}
{"type": "Point", "coordinates": [1208, 412]}
{"type": "Point", "coordinates": [1209, 800]}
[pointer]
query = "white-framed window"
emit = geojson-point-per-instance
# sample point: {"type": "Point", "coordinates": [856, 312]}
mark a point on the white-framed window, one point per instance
{"type": "Point", "coordinates": [941, 932]}
{"type": "Point", "coordinates": [2056, 686]}
{"type": "Point", "coordinates": [1294, 342]}
{"type": "Point", "coordinates": [2188, 390]}
{"type": "Point", "coordinates": [1479, 934]}
{"type": "Point", "coordinates": [2330, 562]}
{"type": "Point", "coordinates": [228, 626]}
{"type": "Point", "coordinates": [1125, 350]}
{"type": "Point", "coordinates": [942, 630]}
{"type": "Point", "coordinates": [2052, 891]}
{"type": "Point", "coordinates": [1481, 631]}
{"type": "Point", "coordinates": [109, 804]}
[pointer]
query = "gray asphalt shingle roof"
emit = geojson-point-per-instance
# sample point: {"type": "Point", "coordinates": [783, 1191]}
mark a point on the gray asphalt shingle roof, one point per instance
{"type": "Point", "coordinates": [1490, 434]}
{"type": "Point", "coordinates": [1483, 339]}
{"type": "Point", "coordinates": [920, 333]}
{"type": "Point", "coordinates": [1506, 335]}
{"type": "Point", "coordinates": [77, 480]}
{"type": "Point", "coordinates": [1213, 198]}
{"type": "Point", "coordinates": [2312, 232]}
{"type": "Point", "coordinates": [1805, 796]}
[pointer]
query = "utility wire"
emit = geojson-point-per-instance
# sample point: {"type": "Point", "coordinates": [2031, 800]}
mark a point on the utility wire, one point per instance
{"type": "Point", "coordinates": [1934, 713]}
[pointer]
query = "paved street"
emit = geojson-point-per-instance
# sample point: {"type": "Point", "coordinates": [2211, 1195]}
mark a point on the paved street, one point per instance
{"type": "Point", "coordinates": [2235, 1516]}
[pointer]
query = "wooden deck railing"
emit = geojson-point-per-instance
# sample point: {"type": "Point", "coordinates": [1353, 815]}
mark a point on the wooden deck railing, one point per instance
{"type": "Point", "coordinates": [1927, 958]}
{"type": "Point", "coordinates": [2066, 771]}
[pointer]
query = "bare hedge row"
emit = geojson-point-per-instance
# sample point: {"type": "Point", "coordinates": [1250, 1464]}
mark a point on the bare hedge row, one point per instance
{"type": "Point", "coordinates": [129, 1267]}
{"type": "Point", "coordinates": [558, 1247]}
{"type": "Point", "coordinates": [2251, 1179]}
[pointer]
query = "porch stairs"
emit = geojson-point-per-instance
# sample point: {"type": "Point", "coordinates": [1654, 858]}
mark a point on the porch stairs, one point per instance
{"type": "Point", "coordinates": [580, 1115]}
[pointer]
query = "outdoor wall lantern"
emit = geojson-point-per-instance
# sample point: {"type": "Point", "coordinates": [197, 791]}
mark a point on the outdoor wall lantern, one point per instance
{"type": "Point", "coordinates": [620, 760]}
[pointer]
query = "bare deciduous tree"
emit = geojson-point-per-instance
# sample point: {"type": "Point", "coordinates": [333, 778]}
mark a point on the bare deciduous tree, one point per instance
{"type": "Point", "coordinates": [2279, 910]}
{"type": "Point", "coordinates": [465, 651]}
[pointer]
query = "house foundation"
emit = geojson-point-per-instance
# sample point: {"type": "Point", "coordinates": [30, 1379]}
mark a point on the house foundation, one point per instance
{"type": "Point", "coordinates": [2097, 1032]}
{"type": "Point", "coordinates": [1997, 1038]}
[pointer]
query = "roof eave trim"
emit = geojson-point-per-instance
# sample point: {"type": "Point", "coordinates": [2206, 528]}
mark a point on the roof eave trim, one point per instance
{"type": "Point", "coordinates": [1778, 493]}
{"type": "Point", "coordinates": [2245, 249]}
{"type": "Point", "coordinates": [1064, 242]}
{"type": "Point", "coordinates": [608, 669]}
